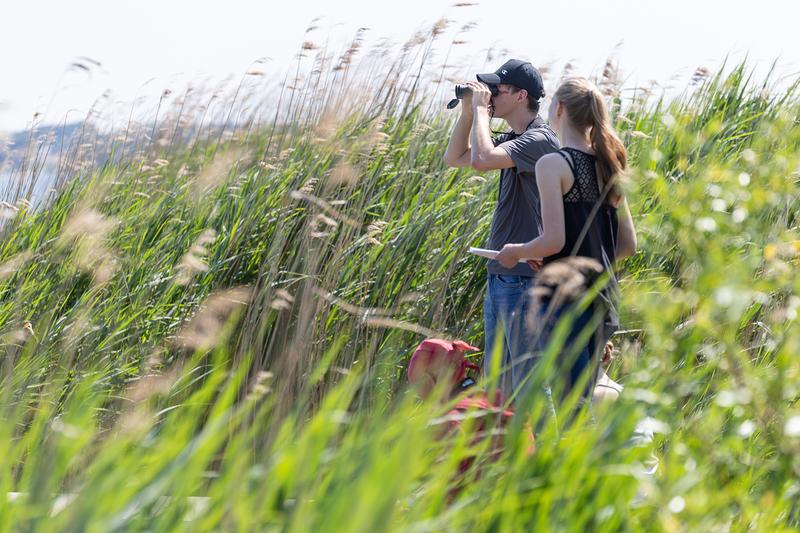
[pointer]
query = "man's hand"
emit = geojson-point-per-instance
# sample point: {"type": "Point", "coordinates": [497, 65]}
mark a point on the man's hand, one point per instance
{"type": "Point", "coordinates": [481, 95]}
{"type": "Point", "coordinates": [466, 101]}
{"type": "Point", "coordinates": [508, 256]}
{"type": "Point", "coordinates": [458, 153]}
{"type": "Point", "coordinates": [535, 264]}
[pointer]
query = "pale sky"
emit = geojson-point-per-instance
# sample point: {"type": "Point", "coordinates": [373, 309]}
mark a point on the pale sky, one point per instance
{"type": "Point", "coordinates": [151, 45]}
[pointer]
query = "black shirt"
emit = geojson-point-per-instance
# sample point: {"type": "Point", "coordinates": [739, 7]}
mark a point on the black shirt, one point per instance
{"type": "Point", "coordinates": [590, 223]}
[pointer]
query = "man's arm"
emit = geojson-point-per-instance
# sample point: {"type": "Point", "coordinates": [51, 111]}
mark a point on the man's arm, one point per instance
{"type": "Point", "coordinates": [483, 154]}
{"type": "Point", "coordinates": [458, 149]}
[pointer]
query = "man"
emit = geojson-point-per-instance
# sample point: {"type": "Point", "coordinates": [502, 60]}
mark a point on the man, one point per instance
{"type": "Point", "coordinates": [511, 93]}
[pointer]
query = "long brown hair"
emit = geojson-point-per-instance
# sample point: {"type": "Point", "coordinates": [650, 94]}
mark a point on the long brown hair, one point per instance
{"type": "Point", "coordinates": [586, 108]}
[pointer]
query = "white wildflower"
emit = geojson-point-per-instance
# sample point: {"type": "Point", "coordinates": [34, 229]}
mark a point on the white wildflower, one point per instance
{"type": "Point", "coordinates": [792, 427]}
{"type": "Point", "coordinates": [706, 224]}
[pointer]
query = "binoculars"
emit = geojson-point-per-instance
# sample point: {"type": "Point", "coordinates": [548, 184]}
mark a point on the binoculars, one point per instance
{"type": "Point", "coordinates": [464, 90]}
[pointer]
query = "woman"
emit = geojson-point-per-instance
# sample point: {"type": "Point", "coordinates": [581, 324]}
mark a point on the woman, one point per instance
{"type": "Point", "coordinates": [584, 212]}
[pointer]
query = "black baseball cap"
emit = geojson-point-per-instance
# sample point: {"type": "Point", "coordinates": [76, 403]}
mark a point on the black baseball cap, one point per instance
{"type": "Point", "coordinates": [520, 74]}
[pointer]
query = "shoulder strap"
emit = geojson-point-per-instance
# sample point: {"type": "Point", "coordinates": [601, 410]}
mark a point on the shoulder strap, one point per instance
{"type": "Point", "coordinates": [538, 122]}
{"type": "Point", "coordinates": [568, 158]}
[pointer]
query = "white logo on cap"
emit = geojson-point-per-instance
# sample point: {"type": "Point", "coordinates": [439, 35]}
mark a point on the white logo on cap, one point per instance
{"type": "Point", "coordinates": [504, 71]}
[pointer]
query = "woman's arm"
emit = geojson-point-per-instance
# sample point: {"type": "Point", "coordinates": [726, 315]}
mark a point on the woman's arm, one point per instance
{"type": "Point", "coordinates": [626, 233]}
{"type": "Point", "coordinates": [549, 170]}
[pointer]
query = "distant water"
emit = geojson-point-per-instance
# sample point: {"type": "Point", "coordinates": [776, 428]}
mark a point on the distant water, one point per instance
{"type": "Point", "coordinates": [45, 181]}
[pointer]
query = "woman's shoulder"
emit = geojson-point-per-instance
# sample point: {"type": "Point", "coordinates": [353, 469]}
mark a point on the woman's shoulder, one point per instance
{"type": "Point", "coordinates": [554, 168]}
{"type": "Point", "coordinates": [552, 163]}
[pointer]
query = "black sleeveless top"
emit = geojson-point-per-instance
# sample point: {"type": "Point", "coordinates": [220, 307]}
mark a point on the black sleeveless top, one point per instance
{"type": "Point", "coordinates": [590, 223]}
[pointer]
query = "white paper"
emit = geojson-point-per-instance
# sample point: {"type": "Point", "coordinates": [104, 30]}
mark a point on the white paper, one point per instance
{"type": "Point", "coordinates": [488, 254]}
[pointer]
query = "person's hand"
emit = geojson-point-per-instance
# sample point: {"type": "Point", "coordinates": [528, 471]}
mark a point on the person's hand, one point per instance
{"type": "Point", "coordinates": [466, 100]}
{"type": "Point", "coordinates": [535, 264]}
{"type": "Point", "coordinates": [608, 353]}
{"type": "Point", "coordinates": [481, 95]}
{"type": "Point", "coordinates": [508, 257]}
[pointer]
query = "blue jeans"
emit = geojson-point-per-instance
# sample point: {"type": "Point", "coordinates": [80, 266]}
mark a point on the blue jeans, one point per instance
{"type": "Point", "coordinates": [580, 354]}
{"type": "Point", "coordinates": [505, 312]}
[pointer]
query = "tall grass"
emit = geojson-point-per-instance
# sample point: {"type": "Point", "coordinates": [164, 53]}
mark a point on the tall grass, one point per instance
{"type": "Point", "coordinates": [208, 328]}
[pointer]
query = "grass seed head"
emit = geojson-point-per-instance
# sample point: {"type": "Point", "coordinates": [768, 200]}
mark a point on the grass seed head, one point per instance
{"type": "Point", "coordinates": [440, 26]}
{"type": "Point", "coordinates": [344, 173]}
{"type": "Point", "coordinates": [153, 383]}
{"type": "Point", "coordinates": [8, 211]}
{"type": "Point", "coordinates": [203, 331]}
{"type": "Point", "coordinates": [216, 171]}
{"type": "Point", "coordinates": [13, 264]}
{"type": "Point", "coordinates": [193, 262]}
{"type": "Point", "coordinates": [86, 235]}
